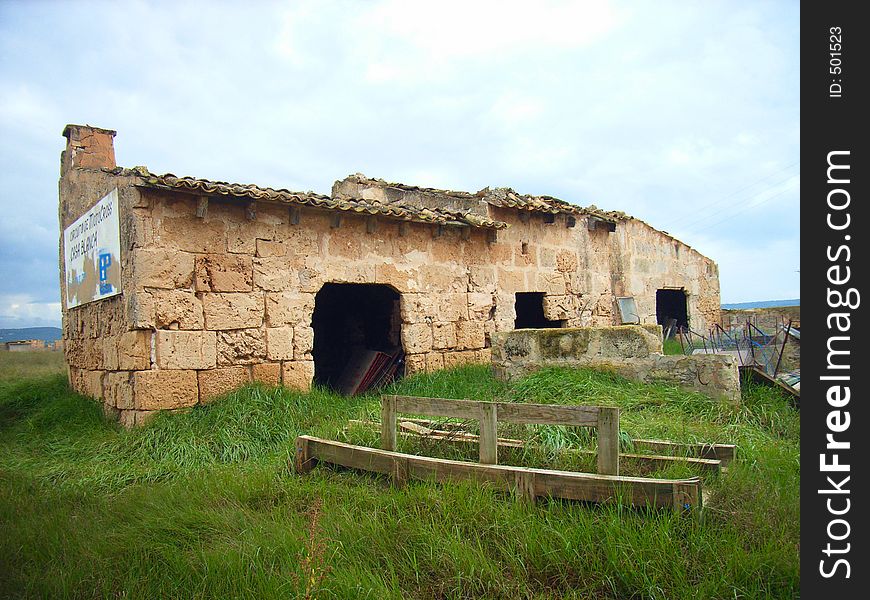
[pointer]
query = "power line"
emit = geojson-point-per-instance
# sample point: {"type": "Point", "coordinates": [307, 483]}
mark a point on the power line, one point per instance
{"type": "Point", "coordinates": [740, 212]}
{"type": "Point", "coordinates": [706, 217]}
{"type": "Point", "coordinates": [734, 193]}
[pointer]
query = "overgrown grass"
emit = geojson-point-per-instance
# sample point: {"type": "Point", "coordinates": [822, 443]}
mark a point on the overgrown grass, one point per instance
{"type": "Point", "coordinates": [202, 503]}
{"type": "Point", "coordinates": [18, 365]}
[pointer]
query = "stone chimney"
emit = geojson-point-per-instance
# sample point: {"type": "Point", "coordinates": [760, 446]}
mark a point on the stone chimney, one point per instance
{"type": "Point", "coordinates": [87, 148]}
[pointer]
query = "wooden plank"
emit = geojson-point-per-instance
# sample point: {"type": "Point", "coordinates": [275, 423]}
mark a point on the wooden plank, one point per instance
{"type": "Point", "coordinates": [371, 224]}
{"type": "Point", "coordinates": [388, 423]}
{"type": "Point", "coordinates": [723, 452]}
{"type": "Point", "coordinates": [712, 465]}
{"type": "Point", "coordinates": [588, 487]}
{"type": "Point", "coordinates": [759, 376]}
{"type": "Point", "coordinates": [488, 434]}
{"type": "Point", "coordinates": [608, 441]}
{"type": "Point", "coordinates": [548, 414]}
{"type": "Point", "coordinates": [438, 407]}
{"type": "Point", "coordinates": [415, 427]}
{"type": "Point", "coordinates": [303, 461]}
{"type": "Point", "coordinates": [510, 412]}
{"type": "Point", "coordinates": [251, 211]}
{"type": "Point", "coordinates": [687, 496]}
{"type": "Point", "coordinates": [524, 486]}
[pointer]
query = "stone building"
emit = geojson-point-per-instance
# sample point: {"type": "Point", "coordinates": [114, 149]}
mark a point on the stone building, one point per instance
{"type": "Point", "coordinates": [222, 284]}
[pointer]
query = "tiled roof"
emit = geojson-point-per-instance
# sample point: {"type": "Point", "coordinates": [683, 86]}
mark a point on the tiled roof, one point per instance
{"type": "Point", "coordinates": [393, 210]}
{"type": "Point", "coordinates": [361, 178]}
{"type": "Point", "coordinates": [506, 198]}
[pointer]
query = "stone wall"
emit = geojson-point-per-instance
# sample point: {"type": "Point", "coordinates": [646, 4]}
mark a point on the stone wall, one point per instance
{"type": "Point", "coordinates": [767, 319]}
{"type": "Point", "coordinates": [214, 301]}
{"type": "Point", "coordinates": [633, 351]}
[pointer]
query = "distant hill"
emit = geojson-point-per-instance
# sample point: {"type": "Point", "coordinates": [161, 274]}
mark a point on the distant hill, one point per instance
{"type": "Point", "coordinates": [763, 304]}
{"type": "Point", "coordinates": [48, 334]}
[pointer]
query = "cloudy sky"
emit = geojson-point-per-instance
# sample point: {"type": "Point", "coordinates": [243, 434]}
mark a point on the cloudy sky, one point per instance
{"type": "Point", "coordinates": [683, 114]}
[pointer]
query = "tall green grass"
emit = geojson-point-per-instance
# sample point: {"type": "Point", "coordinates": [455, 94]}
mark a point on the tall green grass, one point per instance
{"type": "Point", "coordinates": [202, 503]}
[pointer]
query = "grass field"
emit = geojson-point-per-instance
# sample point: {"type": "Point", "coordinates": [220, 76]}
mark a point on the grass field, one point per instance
{"type": "Point", "coordinates": [202, 504]}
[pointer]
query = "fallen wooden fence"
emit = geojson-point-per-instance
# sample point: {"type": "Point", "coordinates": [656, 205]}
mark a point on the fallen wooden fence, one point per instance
{"type": "Point", "coordinates": [526, 483]}
{"type": "Point", "coordinates": [722, 452]}
{"type": "Point", "coordinates": [604, 418]}
{"type": "Point", "coordinates": [414, 429]}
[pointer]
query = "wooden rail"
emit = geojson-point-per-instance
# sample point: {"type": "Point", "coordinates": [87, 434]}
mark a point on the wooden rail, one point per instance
{"type": "Point", "coordinates": [604, 418]}
{"type": "Point", "coordinates": [722, 452]}
{"type": "Point", "coordinates": [526, 483]}
{"type": "Point", "coordinates": [415, 430]}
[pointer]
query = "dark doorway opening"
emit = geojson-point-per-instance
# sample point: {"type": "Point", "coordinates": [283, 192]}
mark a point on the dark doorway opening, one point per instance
{"type": "Point", "coordinates": [671, 304]}
{"type": "Point", "coordinates": [350, 320]}
{"type": "Point", "coordinates": [530, 312]}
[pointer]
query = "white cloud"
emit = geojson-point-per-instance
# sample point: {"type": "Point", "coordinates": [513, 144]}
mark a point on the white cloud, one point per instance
{"type": "Point", "coordinates": [19, 310]}
{"type": "Point", "coordinates": [670, 111]}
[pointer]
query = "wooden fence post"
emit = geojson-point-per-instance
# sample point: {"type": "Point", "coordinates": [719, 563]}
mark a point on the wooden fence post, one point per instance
{"type": "Point", "coordinates": [488, 434]}
{"type": "Point", "coordinates": [388, 423]}
{"type": "Point", "coordinates": [524, 487]}
{"type": "Point", "coordinates": [303, 462]}
{"type": "Point", "coordinates": [608, 441]}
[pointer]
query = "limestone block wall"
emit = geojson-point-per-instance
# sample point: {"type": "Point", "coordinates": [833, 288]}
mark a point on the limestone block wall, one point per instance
{"type": "Point", "coordinates": [767, 319]}
{"type": "Point", "coordinates": [654, 260]}
{"type": "Point", "coordinates": [216, 298]}
{"type": "Point", "coordinates": [633, 351]}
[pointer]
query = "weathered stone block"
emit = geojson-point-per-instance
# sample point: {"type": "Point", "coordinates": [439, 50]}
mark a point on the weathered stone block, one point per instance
{"type": "Point", "coordinates": [481, 306]}
{"type": "Point", "coordinates": [442, 278]}
{"type": "Point", "coordinates": [165, 269]}
{"type": "Point", "coordinates": [279, 343]}
{"type": "Point", "coordinates": [140, 309]}
{"type": "Point", "coordinates": [303, 343]}
{"type": "Point", "coordinates": [443, 335]}
{"type": "Point", "coordinates": [233, 310]}
{"type": "Point", "coordinates": [401, 279]}
{"type": "Point", "coordinates": [118, 390]}
{"type": "Point", "coordinates": [216, 382]}
{"type": "Point", "coordinates": [511, 280]}
{"type": "Point", "coordinates": [267, 373]}
{"type": "Point", "coordinates": [416, 338]}
{"type": "Point", "coordinates": [550, 283]}
{"type": "Point", "coordinates": [298, 374]}
{"type": "Point", "coordinates": [276, 273]}
{"type": "Point", "coordinates": [271, 248]}
{"type": "Point", "coordinates": [559, 308]}
{"type": "Point", "coordinates": [289, 308]}
{"type": "Point", "coordinates": [93, 383]}
{"type": "Point", "coordinates": [566, 261]}
{"type": "Point", "coordinates": [434, 362]}
{"type": "Point", "coordinates": [451, 306]}
{"type": "Point", "coordinates": [241, 347]}
{"type": "Point", "coordinates": [224, 273]}
{"type": "Point", "coordinates": [469, 335]}
{"type": "Point", "coordinates": [415, 363]}
{"type": "Point", "coordinates": [134, 350]}
{"type": "Point", "coordinates": [191, 234]}
{"type": "Point", "coordinates": [110, 353]}
{"type": "Point", "coordinates": [481, 279]}
{"type": "Point", "coordinates": [164, 389]}
{"type": "Point", "coordinates": [416, 308]}
{"type": "Point", "coordinates": [176, 309]}
{"type": "Point", "coordinates": [460, 358]}
{"type": "Point", "coordinates": [186, 349]}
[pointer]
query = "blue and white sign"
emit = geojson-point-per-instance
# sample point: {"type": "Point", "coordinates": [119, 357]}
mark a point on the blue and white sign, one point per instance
{"type": "Point", "coordinates": [92, 252]}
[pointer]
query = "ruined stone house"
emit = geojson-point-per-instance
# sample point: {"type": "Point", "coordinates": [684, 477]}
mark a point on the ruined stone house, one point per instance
{"type": "Point", "coordinates": [222, 283]}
